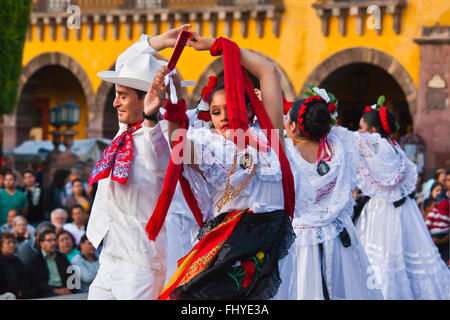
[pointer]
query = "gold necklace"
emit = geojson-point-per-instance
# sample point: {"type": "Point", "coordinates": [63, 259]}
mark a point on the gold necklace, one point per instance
{"type": "Point", "coordinates": [301, 140]}
{"type": "Point", "coordinates": [228, 194]}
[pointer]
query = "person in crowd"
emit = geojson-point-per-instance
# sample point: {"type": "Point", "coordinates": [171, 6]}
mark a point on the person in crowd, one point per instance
{"type": "Point", "coordinates": [10, 164]}
{"type": "Point", "coordinates": [22, 230]}
{"type": "Point", "coordinates": [78, 196]}
{"type": "Point", "coordinates": [58, 217]}
{"type": "Point", "coordinates": [87, 263]}
{"type": "Point", "coordinates": [79, 221]}
{"type": "Point", "coordinates": [439, 176]}
{"type": "Point", "coordinates": [66, 244]}
{"type": "Point", "coordinates": [35, 195]}
{"type": "Point", "coordinates": [436, 190]}
{"type": "Point", "coordinates": [50, 268]}
{"type": "Point", "coordinates": [30, 247]}
{"type": "Point", "coordinates": [8, 226]}
{"type": "Point", "coordinates": [75, 174]}
{"type": "Point", "coordinates": [55, 195]}
{"type": "Point", "coordinates": [14, 276]}
{"type": "Point", "coordinates": [445, 194]}
{"type": "Point", "coordinates": [438, 224]}
{"type": "Point", "coordinates": [11, 198]}
{"type": "Point", "coordinates": [2, 177]}
{"type": "Point", "coordinates": [427, 206]}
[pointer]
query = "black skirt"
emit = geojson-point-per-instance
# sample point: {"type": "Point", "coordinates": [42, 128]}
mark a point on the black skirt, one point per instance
{"type": "Point", "coordinates": [246, 266]}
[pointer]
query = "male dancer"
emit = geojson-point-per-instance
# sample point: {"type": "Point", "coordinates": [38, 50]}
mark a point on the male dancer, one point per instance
{"type": "Point", "coordinates": [130, 175]}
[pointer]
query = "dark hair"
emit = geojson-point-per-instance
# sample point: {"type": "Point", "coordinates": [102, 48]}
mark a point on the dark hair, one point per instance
{"type": "Point", "coordinates": [427, 203]}
{"type": "Point", "coordinates": [11, 174]}
{"type": "Point", "coordinates": [140, 94]}
{"type": "Point", "coordinates": [59, 178]}
{"type": "Point", "coordinates": [83, 192]}
{"type": "Point", "coordinates": [79, 206]}
{"type": "Point", "coordinates": [44, 233]}
{"type": "Point", "coordinates": [83, 238]}
{"type": "Point", "coordinates": [439, 172]}
{"type": "Point", "coordinates": [317, 118]}
{"type": "Point", "coordinates": [372, 118]}
{"type": "Point", "coordinates": [218, 88]}
{"type": "Point", "coordinates": [30, 172]}
{"type": "Point", "coordinates": [66, 232]}
{"type": "Point", "coordinates": [435, 185]}
{"type": "Point", "coordinates": [6, 235]}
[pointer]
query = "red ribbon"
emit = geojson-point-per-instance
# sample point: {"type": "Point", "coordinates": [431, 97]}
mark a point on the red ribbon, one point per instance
{"type": "Point", "coordinates": [207, 90]}
{"type": "Point", "coordinates": [384, 121]}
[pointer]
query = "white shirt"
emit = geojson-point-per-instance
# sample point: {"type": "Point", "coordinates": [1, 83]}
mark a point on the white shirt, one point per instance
{"type": "Point", "coordinates": [75, 231]}
{"type": "Point", "coordinates": [120, 212]}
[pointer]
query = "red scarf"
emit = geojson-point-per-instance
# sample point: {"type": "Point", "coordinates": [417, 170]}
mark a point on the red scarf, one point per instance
{"type": "Point", "coordinates": [177, 113]}
{"type": "Point", "coordinates": [237, 83]}
{"type": "Point", "coordinates": [116, 158]}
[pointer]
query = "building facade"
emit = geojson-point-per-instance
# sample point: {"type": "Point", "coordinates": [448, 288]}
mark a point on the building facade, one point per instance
{"type": "Point", "coordinates": [356, 49]}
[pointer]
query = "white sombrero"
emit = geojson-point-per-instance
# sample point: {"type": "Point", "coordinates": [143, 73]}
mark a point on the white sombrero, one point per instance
{"type": "Point", "coordinates": [137, 68]}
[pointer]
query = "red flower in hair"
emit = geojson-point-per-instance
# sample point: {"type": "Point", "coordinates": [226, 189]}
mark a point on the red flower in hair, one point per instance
{"type": "Point", "coordinates": [207, 90]}
{"type": "Point", "coordinates": [332, 107]}
{"type": "Point", "coordinates": [367, 109]}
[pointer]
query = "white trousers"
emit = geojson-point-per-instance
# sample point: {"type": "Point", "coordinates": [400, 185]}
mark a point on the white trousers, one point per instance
{"type": "Point", "coordinates": [118, 279]}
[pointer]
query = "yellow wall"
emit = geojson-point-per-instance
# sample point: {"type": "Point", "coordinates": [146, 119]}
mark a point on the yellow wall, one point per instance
{"type": "Point", "coordinates": [300, 48]}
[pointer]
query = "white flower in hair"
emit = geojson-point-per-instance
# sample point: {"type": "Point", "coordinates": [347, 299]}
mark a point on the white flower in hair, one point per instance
{"type": "Point", "coordinates": [374, 106]}
{"type": "Point", "coordinates": [322, 93]}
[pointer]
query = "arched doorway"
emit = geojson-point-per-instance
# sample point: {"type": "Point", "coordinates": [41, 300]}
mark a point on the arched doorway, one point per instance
{"type": "Point", "coordinates": [357, 76]}
{"type": "Point", "coordinates": [46, 80]}
{"type": "Point", "coordinates": [359, 84]}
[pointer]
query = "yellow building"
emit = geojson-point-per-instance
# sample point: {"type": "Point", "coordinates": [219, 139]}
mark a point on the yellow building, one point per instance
{"type": "Point", "coordinates": [356, 49]}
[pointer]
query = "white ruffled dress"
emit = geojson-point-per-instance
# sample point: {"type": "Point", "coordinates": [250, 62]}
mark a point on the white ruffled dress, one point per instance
{"type": "Point", "coordinates": [263, 193]}
{"type": "Point", "coordinates": [346, 270]}
{"type": "Point", "coordinates": [406, 262]}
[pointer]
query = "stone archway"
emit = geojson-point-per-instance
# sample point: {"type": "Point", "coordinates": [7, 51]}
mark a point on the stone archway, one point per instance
{"type": "Point", "coordinates": [16, 126]}
{"type": "Point", "coordinates": [99, 125]}
{"type": "Point", "coordinates": [370, 56]}
{"type": "Point", "coordinates": [216, 67]}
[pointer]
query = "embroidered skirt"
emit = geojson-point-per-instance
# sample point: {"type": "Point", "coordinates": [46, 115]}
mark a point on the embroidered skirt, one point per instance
{"type": "Point", "coordinates": [236, 258]}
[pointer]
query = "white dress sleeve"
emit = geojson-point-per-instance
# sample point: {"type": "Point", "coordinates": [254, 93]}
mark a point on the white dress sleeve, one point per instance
{"type": "Point", "coordinates": [381, 169]}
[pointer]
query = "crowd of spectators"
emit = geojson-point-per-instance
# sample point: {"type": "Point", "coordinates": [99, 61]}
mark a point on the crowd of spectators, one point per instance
{"type": "Point", "coordinates": [44, 251]}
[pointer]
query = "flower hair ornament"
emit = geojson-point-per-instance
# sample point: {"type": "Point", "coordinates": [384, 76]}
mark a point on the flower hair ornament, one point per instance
{"type": "Point", "coordinates": [203, 105]}
{"type": "Point", "coordinates": [318, 95]}
{"type": "Point", "coordinates": [382, 112]}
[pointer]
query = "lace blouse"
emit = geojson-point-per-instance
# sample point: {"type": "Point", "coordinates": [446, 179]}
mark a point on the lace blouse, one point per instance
{"type": "Point", "coordinates": [214, 156]}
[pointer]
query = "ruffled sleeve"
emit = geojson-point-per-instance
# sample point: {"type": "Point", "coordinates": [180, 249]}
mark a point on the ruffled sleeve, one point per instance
{"type": "Point", "coordinates": [381, 169]}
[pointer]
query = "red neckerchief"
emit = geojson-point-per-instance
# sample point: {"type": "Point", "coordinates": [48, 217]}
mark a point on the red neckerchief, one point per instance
{"type": "Point", "coordinates": [116, 158]}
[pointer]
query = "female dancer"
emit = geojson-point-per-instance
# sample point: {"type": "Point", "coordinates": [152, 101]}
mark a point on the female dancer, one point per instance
{"type": "Point", "coordinates": [391, 226]}
{"type": "Point", "coordinates": [244, 246]}
{"type": "Point", "coordinates": [332, 263]}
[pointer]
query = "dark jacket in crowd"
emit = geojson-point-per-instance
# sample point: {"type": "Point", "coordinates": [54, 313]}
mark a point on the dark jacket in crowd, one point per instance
{"type": "Point", "coordinates": [37, 266]}
{"type": "Point", "coordinates": [36, 204]}
{"type": "Point", "coordinates": [15, 278]}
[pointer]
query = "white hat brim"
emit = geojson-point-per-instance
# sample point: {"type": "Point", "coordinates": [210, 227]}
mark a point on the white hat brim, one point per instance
{"type": "Point", "coordinates": [114, 77]}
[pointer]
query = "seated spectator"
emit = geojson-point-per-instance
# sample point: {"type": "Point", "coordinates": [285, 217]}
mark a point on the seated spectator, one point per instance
{"type": "Point", "coordinates": [7, 227]}
{"type": "Point", "coordinates": [58, 218]}
{"type": "Point", "coordinates": [436, 189]}
{"type": "Point", "coordinates": [78, 196]}
{"type": "Point", "coordinates": [66, 244]}
{"type": "Point", "coordinates": [11, 198]}
{"type": "Point", "coordinates": [78, 225]}
{"type": "Point", "coordinates": [446, 186]}
{"type": "Point", "coordinates": [35, 197]}
{"type": "Point", "coordinates": [29, 248]}
{"type": "Point", "coordinates": [22, 230]}
{"type": "Point", "coordinates": [87, 262]}
{"type": "Point", "coordinates": [14, 276]}
{"type": "Point", "coordinates": [438, 225]}
{"type": "Point", "coordinates": [427, 206]}
{"type": "Point", "coordinates": [50, 268]}
{"type": "Point", "coordinates": [439, 176]}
